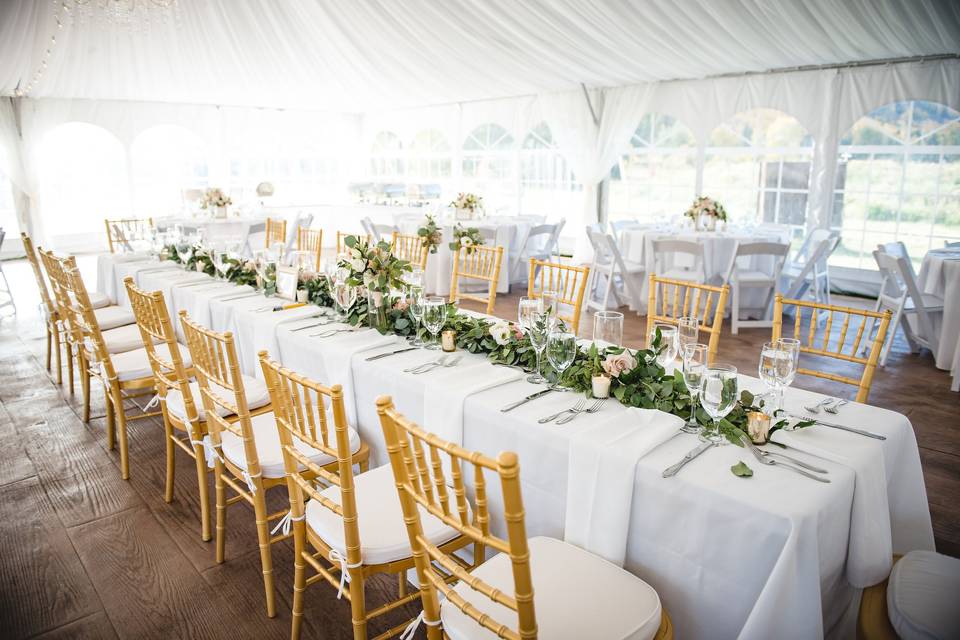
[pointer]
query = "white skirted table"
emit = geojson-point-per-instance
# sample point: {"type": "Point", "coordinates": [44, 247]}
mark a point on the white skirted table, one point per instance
{"type": "Point", "coordinates": [776, 555]}
{"type": "Point", "coordinates": [940, 276]}
{"type": "Point", "coordinates": [214, 229]}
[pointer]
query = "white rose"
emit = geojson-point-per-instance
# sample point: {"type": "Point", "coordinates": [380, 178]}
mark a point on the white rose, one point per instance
{"type": "Point", "coordinates": [466, 241]}
{"type": "Point", "coordinates": [367, 278]}
{"type": "Point", "coordinates": [358, 264]}
{"type": "Point", "coordinates": [500, 332]}
{"type": "Point", "coordinates": [356, 253]}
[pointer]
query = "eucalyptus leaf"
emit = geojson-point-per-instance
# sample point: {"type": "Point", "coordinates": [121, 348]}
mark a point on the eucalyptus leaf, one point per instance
{"type": "Point", "coordinates": [741, 470]}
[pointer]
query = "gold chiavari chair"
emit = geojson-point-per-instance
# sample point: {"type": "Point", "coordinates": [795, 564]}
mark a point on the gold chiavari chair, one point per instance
{"type": "Point", "coordinates": [310, 240]}
{"type": "Point", "coordinates": [482, 263]}
{"type": "Point", "coordinates": [568, 281]}
{"type": "Point", "coordinates": [120, 232]}
{"type": "Point", "coordinates": [51, 314]}
{"type": "Point", "coordinates": [355, 523]}
{"type": "Point", "coordinates": [125, 375]}
{"type": "Point", "coordinates": [669, 300]}
{"type": "Point", "coordinates": [820, 345]}
{"type": "Point", "coordinates": [410, 248]}
{"type": "Point", "coordinates": [541, 587]}
{"type": "Point", "coordinates": [276, 232]}
{"type": "Point", "coordinates": [342, 236]}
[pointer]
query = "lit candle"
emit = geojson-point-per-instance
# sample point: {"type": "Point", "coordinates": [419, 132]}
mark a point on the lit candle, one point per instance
{"type": "Point", "coordinates": [601, 386]}
{"type": "Point", "coordinates": [448, 340]}
{"type": "Point", "coordinates": [302, 295]}
{"type": "Point", "coordinates": [758, 426]}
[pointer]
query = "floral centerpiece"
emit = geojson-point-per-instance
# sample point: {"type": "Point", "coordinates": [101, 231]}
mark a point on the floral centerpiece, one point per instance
{"type": "Point", "coordinates": [705, 212]}
{"type": "Point", "coordinates": [217, 200]}
{"type": "Point", "coordinates": [466, 238]}
{"type": "Point", "coordinates": [430, 234]}
{"type": "Point", "coordinates": [377, 270]}
{"type": "Point", "coordinates": [467, 206]}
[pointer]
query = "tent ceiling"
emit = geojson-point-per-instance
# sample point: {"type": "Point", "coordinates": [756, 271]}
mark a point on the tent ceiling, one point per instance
{"type": "Point", "coordinates": [364, 55]}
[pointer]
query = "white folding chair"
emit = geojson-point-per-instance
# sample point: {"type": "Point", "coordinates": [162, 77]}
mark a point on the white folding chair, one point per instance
{"type": "Point", "coordinates": [302, 220]}
{"type": "Point", "coordinates": [6, 295]}
{"type": "Point", "coordinates": [378, 231]}
{"type": "Point", "coordinates": [489, 235]}
{"type": "Point", "coordinates": [740, 277]}
{"type": "Point", "coordinates": [808, 270]}
{"type": "Point", "coordinates": [669, 257]}
{"type": "Point", "coordinates": [619, 225]}
{"type": "Point", "coordinates": [897, 250]}
{"type": "Point", "coordinates": [623, 279]}
{"type": "Point", "coordinates": [541, 243]}
{"type": "Point", "coordinates": [252, 230]}
{"type": "Point", "coordinates": [900, 294]}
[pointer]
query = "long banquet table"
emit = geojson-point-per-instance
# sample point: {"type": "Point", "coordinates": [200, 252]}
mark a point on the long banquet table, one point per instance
{"type": "Point", "coordinates": [777, 555]}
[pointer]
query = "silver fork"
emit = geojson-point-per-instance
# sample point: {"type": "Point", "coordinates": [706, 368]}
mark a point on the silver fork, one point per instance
{"type": "Point", "coordinates": [816, 408]}
{"type": "Point", "coordinates": [835, 408]}
{"type": "Point", "coordinates": [433, 363]}
{"type": "Point", "coordinates": [452, 362]}
{"type": "Point", "coordinates": [770, 462]}
{"type": "Point", "coordinates": [574, 409]}
{"type": "Point", "coordinates": [598, 403]}
{"type": "Point", "coordinates": [331, 332]}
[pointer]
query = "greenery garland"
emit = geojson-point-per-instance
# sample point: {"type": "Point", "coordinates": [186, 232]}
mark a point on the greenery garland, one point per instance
{"type": "Point", "coordinates": [467, 238]}
{"type": "Point", "coordinates": [430, 233]}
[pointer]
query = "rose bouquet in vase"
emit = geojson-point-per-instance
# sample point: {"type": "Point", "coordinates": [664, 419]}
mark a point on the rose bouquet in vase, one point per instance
{"type": "Point", "coordinates": [217, 201]}
{"type": "Point", "coordinates": [374, 268]}
{"type": "Point", "coordinates": [467, 206]}
{"type": "Point", "coordinates": [705, 212]}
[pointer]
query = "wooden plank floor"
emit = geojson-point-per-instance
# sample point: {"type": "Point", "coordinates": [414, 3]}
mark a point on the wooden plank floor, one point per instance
{"type": "Point", "coordinates": [87, 555]}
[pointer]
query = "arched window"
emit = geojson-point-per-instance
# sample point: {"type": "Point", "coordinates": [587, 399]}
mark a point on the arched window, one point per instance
{"type": "Point", "coordinates": [429, 156]}
{"type": "Point", "coordinates": [546, 181]}
{"type": "Point", "coordinates": [386, 157]}
{"type": "Point", "coordinates": [83, 179]}
{"type": "Point", "coordinates": [489, 155]}
{"type": "Point", "coordinates": [758, 165]}
{"type": "Point", "coordinates": [898, 178]}
{"type": "Point", "coordinates": [166, 160]}
{"type": "Point", "coordinates": [657, 178]}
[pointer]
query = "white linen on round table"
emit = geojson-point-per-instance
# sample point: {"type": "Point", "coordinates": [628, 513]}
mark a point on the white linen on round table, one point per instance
{"type": "Point", "coordinates": [636, 245]}
{"type": "Point", "coordinates": [113, 268]}
{"type": "Point", "coordinates": [511, 234]}
{"type": "Point", "coordinates": [777, 555]}
{"type": "Point", "coordinates": [215, 229]}
{"type": "Point", "coordinates": [940, 276]}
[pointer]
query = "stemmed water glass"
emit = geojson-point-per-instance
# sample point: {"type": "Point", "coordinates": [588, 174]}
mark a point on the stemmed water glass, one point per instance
{"type": "Point", "coordinates": [718, 398]}
{"type": "Point", "coordinates": [538, 329]}
{"type": "Point", "coordinates": [526, 307]}
{"type": "Point", "coordinates": [668, 343]}
{"type": "Point", "coordinates": [266, 263]}
{"type": "Point", "coordinates": [608, 327]}
{"type": "Point", "coordinates": [344, 295]}
{"type": "Point", "coordinates": [688, 331]}
{"type": "Point", "coordinates": [561, 351]}
{"type": "Point", "coordinates": [415, 299]}
{"type": "Point", "coordinates": [694, 368]}
{"type": "Point", "coordinates": [414, 277]}
{"type": "Point", "coordinates": [434, 315]}
{"type": "Point", "coordinates": [551, 305]}
{"type": "Point", "coordinates": [778, 366]}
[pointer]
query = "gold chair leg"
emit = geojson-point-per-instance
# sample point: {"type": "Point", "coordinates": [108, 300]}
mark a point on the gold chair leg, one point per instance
{"type": "Point", "coordinates": [266, 559]}
{"type": "Point", "coordinates": [358, 608]}
{"type": "Point", "coordinates": [299, 578]}
{"type": "Point", "coordinates": [171, 462]}
{"type": "Point", "coordinates": [204, 494]}
{"type": "Point", "coordinates": [111, 425]}
{"type": "Point", "coordinates": [122, 430]}
{"type": "Point", "coordinates": [56, 342]}
{"type": "Point", "coordinates": [85, 387]}
{"type": "Point", "coordinates": [221, 494]}
{"type": "Point", "coordinates": [70, 365]}
{"type": "Point", "coordinates": [49, 341]}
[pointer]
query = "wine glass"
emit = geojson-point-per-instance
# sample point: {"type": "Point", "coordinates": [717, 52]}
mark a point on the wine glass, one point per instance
{"type": "Point", "coordinates": [415, 299]}
{"type": "Point", "coordinates": [266, 264]}
{"type": "Point", "coordinates": [608, 327]}
{"type": "Point", "coordinates": [538, 328]}
{"type": "Point", "coordinates": [303, 261]}
{"type": "Point", "coordinates": [772, 360]}
{"type": "Point", "coordinates": [434, 315]}
{"type": "Point", "coordinates": [561, 351]}
{"type": "Point", "coordinates": [551, 305]}
{"type": "Point", "coordinates": [688, 331]}
{"type": "Point", "coordinates": [694, 368]}
{"type": "Point", "coordinates": [526, 307]}
{"type": "Point", "coordinates": [668, 343]}
{"type": "Point", "coordinates": [718, 397]}
{"type": "Point", "coordinates": [414, 276]}
{"type": "Point", "coordinates": [344, 296]}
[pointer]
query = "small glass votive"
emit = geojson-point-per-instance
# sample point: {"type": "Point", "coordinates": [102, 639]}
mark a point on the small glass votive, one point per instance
{"type": "Point", "coordinates": [448, 340]}
{"type": "Point", "coordinates": [758, 426]}
{"type": "Point", "coordinates": [302, 295]}
{"type": "Point", "coordinates": [600, 386]}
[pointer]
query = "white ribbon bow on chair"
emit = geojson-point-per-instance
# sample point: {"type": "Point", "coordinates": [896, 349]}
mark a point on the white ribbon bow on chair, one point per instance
{"type": "Point", "coordinates": [336, 556]}
{"type": "Point", "coordinates": [285, 523]}
{"type": "Point", "coordinates": [411, 629]}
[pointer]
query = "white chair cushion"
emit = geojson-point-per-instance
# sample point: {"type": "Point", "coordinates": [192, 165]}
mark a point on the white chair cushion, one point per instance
{"type": "Point", "coordinates": [576, 595]}
{"type": "Point", "coordinates": [267, 439]}
{"type": "Point", "coordinates": [113, 316]}
{"type": "Point", "coordinates": [383, 535]}
{"type": "Point", "coordinates": [133, 365]}
{"type": "Point", "coordinates": [256, 391]}
{"type": "Point", "coordinates": [749, 275]}
{"type": "Point", "coordinates": [921, 596]}
{"type": "Point", "coordinates": [121, 339]}
{"type": "Point", "coordinates": [99, 300]}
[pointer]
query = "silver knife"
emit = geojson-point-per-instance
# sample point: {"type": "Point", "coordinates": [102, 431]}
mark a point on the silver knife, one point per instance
{"type": "Point", "coordinates": [675, 469]}
{"type": "Point", "coordinates": [834, 425]}
{"type": "Point", "coordinates": [246, 295]}
{"type": "Point", "coordinates": [390, 353]}
{"type": "Point", "coordinates": [523, 401]}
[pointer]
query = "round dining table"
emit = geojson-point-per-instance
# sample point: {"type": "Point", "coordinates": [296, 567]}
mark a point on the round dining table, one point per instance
{"type": "Point", "coordinates": [940, 276]}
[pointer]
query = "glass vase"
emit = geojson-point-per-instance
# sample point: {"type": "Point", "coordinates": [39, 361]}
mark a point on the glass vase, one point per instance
{"type": "Point", "coordinates": [377, 304]}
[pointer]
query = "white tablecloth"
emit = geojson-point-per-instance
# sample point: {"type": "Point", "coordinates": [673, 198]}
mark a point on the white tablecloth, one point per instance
{"type": "Point", "coordinates": [636, 245]}
{"type": "Point", "coordinates": [940, 275]}
{"type": "Point", "coordinates": [777, 555]}
{"type": "Point", "coordinates": [214, 229]}
{"type": "Point", "coordinates": [511, 234]}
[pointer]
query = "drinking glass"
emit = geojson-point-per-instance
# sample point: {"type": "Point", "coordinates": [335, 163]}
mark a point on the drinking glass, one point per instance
{"type": "Point", "coordinates": [414, 277]}
{"type": "Point", "coordinates": [343, 297]}
{"type": "Point", "coordinates": [668, 343]}
{"type": "Point", "coordinates": [561, 350]}
{"type": "Point", "coordinates": [608, 327]}
{"type": "Point", "coordinates": [688, 331]}
{"type": "Point", "coordinates": [303, 260]}
{"type": "Point", "coordinates": [415, 298]}
{"type": "Point", "coordinates": [525, 308]}
{"type": "Point", "coordinates": [694, 368]}
{"type": "Point", "coordinates": [266, 265]}
{"type": "Point", "coordinates": [278, 249]}
{"type": "Point", "coordinates": [778, 366]}
{"type": "Point", "coordinates": [551, 305]}
{"type": "Point", "coordinates": [434, 315]}
{"type": "Point", "coordinates": [537, 330]}
{"type": "Point", "coordinates": [718, 397]}
{"type": "Point", "coordinates": [791, 346]}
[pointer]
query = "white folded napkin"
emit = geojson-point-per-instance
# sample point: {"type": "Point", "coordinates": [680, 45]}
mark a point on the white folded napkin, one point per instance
{"type": "Point", "coordinates": [870, 550]}
{"type": "Point", "coordinates": [601, 477]}
{"type": "Point", "coordinates": [448, 388]}
{"type": "Point", "coordinates": [337, 353]}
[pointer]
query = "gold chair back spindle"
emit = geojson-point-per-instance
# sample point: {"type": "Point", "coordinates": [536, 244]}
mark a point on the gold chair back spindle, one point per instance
{"type": "Point", "coordinates": [276, 231]}
{"type": "Point", "coordinates": [342, 237]}
{"type": "Point", "coordinates": [570, 283]}
{"type": "Point", "coordinates": [410, 248]}
{"type": "Point", "coordinates": [119, 232]}
{"type": "Point", "coordinates": [814, 345]}
{"type": "Point", "coordinates": [670, 300]}
{"type": "Point", "coordinates": [310, 240]}
{"type": "Point", "coordinates": [482, 263]}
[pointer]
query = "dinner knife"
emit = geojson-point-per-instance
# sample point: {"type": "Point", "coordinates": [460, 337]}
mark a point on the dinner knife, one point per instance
{"type": "Point", "coordinates": [675, 469]}
{"type": "Point", "coordinates": [834, 425]}
{"type": "Point", "coordinates": [523, 401]}
{"type": "Point", "coordinates": [390, 353]}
